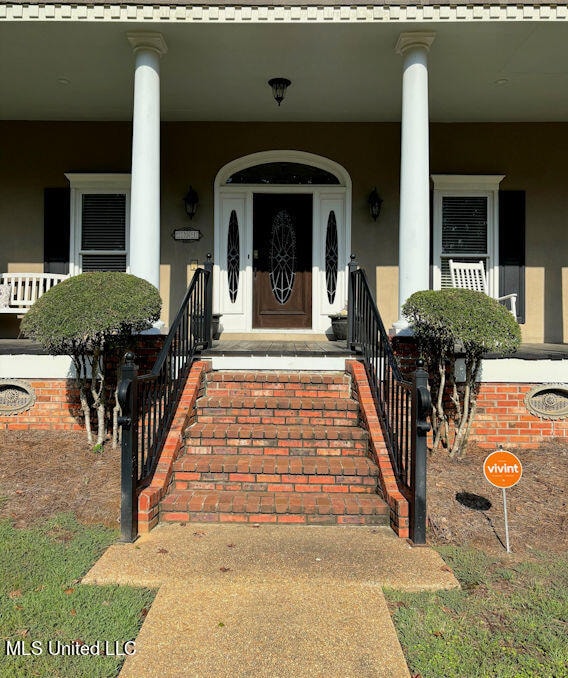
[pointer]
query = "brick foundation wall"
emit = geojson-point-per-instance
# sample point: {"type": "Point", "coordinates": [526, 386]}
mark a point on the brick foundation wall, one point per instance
{"type": "Point", "coordinates": [58, 406]}
{"type": "Point", "coordinates": [502, 418]}
{"type": "Point", "coordinates": [406, 351]}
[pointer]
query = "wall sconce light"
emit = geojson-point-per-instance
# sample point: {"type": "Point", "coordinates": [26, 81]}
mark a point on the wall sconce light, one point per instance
{"type": "Point", "coordinates": [191, 201]}
{"type": "Point", "coordinates": [375, 203]}
{"type": "Point", "coordinates": [279, 87]}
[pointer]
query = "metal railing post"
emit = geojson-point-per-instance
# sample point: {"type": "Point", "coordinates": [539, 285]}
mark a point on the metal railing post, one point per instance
{"type": "Point", "coordinates": [127, 397]}
{"type": "Point", "coordinates": [352, 267]}
{"type": "Point", "coordinates": [421, 404]}
{"type": "Point", "coordinates": [208, 266]}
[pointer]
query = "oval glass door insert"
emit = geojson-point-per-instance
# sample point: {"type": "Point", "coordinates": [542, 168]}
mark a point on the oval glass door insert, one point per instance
{"type": "Point", "coordinates": [331, 257]}
{"type": "Point", "coordinates": [233, 257]}
{"type": "Point", "coordinates": [282, 256]}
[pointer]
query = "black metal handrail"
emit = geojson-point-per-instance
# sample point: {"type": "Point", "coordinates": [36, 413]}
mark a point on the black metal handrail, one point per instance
{"type": "Point", "coordinates": [402, 404]}
{"type": "Point", "coordinates": [149, 401]}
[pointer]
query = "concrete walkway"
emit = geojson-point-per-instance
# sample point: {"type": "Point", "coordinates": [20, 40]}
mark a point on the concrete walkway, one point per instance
{"type": "Point", "coordinates": [269, 602]}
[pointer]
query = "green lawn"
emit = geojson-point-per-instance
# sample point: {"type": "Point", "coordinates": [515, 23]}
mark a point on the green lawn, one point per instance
{"type": "Point", "coordinates": [509, 620]}
{"type": "Point", "coordinates": [43, 605]}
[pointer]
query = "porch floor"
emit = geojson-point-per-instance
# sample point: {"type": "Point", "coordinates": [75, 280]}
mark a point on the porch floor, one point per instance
{"type": "Point", "coordinates": [20, 347]}
{"type": "Point", "coordinates": [536, 352]}
{"type": "Point", "coordinates": [296, 347]}
{"type": "Point", "coordinates": [303, 348]}
{"type": "Point", "coordinates": [299, 348]}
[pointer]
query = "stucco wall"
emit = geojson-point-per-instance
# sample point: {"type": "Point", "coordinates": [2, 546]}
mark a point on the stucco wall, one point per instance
{"type": "Point", "coordinates": [36, 155]}
{"type": "Point", "coordinates": [533, 159]}
{"type": "Point", "coordinates": [195, 153]}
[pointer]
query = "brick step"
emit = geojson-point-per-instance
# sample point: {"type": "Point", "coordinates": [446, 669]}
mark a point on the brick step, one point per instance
{"type": "Point", "coordinates": [278, 384]}
{"type": "Point", "coordinates": [275, 507]}
{"type": "Point", "coordinates": [280, 403]}
{"type": "Point", "coordinates": [278, 410]}
{"type": "Point", "coordinates": [268, 417]}
{"type": "Point", "coordinates": [254, 473]}
{"type": "Point", "coordinates": [260, 439]}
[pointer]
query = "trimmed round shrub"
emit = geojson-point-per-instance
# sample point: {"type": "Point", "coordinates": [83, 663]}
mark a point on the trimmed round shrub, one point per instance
{"type": "Point", "coordinates": [82, 317]}
{"type": "Point", "coordinates": [471, 318]}
{"type": "Point", "coordinates": [90, 306]}
{"type": "Point", "coordinates": [444, 321]}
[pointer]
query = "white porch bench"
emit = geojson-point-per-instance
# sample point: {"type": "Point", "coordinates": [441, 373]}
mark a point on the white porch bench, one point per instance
{"type": "Point", "coordinates": [471, 276]}
{"type": "Point", "coordinates": [23, 289]}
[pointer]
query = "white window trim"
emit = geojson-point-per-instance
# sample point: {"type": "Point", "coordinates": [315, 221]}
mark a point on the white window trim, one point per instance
{"type": "Point", "coordinates": [468, 185]}
{"type": "Point", "coordinates": [82, 184]}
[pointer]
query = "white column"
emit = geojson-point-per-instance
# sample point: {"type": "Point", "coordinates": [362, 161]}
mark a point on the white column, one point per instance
{"type": "Point", "coordinates": [145, 189]}
{"type": "Point", "coordinates": [414, 231]}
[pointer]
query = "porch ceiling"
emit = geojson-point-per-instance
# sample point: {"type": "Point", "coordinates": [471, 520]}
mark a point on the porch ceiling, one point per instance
{"type": "Point", "coordinates": [340, 72]}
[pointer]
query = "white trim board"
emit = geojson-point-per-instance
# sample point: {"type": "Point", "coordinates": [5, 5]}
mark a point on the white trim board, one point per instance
{"type": "Point", "coordinates": [36, 367]}
{"type": "Point", "coordinates": [275, 363]}
{"type": "Point", "coordinates": [505, 370]}
{"type": "Point", "coordinates": [516, 371]}
{"type": "Point", "coordinates": [397, 14]}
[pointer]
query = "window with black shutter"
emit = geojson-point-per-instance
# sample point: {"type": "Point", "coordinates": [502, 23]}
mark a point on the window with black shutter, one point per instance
{"type": "Point", "coordinates": [99, 222]}
{"type": "Point", "coordinates": [464, 232]}
{"type": "Point", "coordinates": [466, 225]}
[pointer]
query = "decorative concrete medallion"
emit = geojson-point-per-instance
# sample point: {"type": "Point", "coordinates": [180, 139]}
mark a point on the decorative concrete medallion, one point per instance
{"type": "Point", "coordinates": [549, 401]}
{"type": "Point", "coordinates": [15, 396]}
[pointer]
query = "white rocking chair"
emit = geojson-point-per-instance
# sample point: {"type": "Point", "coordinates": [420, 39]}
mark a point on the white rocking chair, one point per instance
{"type": "Point", "coordinates": [471, 276]}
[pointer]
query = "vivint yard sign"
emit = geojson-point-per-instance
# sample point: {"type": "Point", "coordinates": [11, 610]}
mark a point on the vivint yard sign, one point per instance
{"type": "Point", "coordinates": [503, 469]}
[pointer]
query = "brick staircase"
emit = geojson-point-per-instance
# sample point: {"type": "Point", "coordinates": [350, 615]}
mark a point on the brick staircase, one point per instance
{"type": "Point", "coordinates": [275, 447]}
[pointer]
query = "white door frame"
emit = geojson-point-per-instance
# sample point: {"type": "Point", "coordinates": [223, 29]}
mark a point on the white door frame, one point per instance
{"type": "Point", "coordinates": [237, 315]}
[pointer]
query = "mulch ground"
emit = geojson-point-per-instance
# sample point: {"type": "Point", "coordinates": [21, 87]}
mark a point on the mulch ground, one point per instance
{"type": "Point", "coordinates": [43, 473]}
{"type": "Point", "coordinates": [464, 509]}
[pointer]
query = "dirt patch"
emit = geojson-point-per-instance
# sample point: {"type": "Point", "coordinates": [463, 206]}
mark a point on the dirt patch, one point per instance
{"type": "Point", "coordinates": [43, 473]}
{"type": "Point", "coordinates": [458, 498]}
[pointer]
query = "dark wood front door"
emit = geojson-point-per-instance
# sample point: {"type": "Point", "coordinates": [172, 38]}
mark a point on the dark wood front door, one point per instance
{"type": "Point", "coordinates": [282, 261]}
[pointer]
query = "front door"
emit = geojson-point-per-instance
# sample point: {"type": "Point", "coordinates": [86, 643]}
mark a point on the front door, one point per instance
{"type": "Point", "coordinates": [282, 261]}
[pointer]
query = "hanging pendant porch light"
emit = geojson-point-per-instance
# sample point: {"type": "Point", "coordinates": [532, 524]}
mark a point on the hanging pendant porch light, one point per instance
{"type": "Point", "coordinates": [279, 87]}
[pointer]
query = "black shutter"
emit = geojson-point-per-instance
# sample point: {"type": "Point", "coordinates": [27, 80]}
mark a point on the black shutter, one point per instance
{"type": "Point", "coordinates": [512, 247]}
{"type": "Point", "coordinates": [56, 226]}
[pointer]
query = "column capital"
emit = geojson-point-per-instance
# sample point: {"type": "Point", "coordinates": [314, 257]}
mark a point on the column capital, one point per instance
{"type": "Point", "coordinates": [147, 40]}
{"type": "Point", "coordinates": [413, 39]}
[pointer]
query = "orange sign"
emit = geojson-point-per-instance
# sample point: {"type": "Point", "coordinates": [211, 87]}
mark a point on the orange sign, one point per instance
{"type": "Point", "coordinates": [502, 469]}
